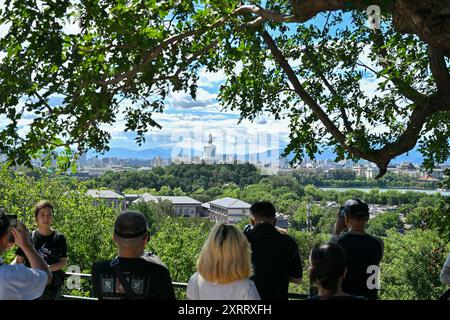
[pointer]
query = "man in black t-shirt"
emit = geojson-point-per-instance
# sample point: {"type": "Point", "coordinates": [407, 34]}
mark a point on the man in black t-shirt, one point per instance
{"type": "Point", "coordinates": [275, 256]}
{"type": "Point", "coordinates": [134, 274]}
{"type": "Point", "coordinates": [51, 245]}
{"type": "Point", "coordinates": [364, 251]}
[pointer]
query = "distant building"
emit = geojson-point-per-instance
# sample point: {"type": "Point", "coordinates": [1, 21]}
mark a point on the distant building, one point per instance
{"type": "Point", "coordinates": [82, 160]}
{"type": "Point", "coordinates": [228, 210]}
{"type": "Point", "coordinates": [427, 178]}
{"type": "Point", "coordinates": [82, 175]}
{"type": "Point", "coordinates": [183, 206]}
{"type": "Point", "coordinates": [111, 198]}
{"type": "Point", "coordinates": [130, 198]}
{"type": "Point", "coordinates": [282, 221]}
{"type": "Point", "coordinates": [209, 151]}
{"type": "Point", "coordinates": [407, 169]}
{"type": "Point", "coordinates": [144, 169]}
{"type": "Point", "coordinates": [366, 171]}
{"type": "Point", "coordinates": [158, 161]}
{"type": "Point", "coordinates": [438, 173]}
{"type": "Point", "coordinates": [95, 171]}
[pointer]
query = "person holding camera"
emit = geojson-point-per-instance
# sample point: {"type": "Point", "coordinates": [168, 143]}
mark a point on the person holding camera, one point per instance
{"type": "Point", "coordinates": [134, 274]}
{"type": "Point", "coordinates": [275, 256]}
{"type": "Point", "coordinates": [51, 246]}
{"type": "Point", "coordinates": [18, 282]}
{"type": "Point", "coordinates": [364, 251]}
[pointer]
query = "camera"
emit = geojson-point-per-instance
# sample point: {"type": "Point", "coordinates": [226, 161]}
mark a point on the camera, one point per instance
{"type": "Point", "coordinates": [12, 224]}
{"type": "Point", "coordinates": [248, 229]}
{"type": "Point", "coordinates": [341, 212]}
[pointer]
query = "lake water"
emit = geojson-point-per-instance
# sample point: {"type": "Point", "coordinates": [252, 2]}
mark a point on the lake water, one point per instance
{"type": "Point", "coordinates": [444, 193]}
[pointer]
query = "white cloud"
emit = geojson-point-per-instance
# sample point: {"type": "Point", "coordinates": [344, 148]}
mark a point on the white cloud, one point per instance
{"type": "Point", "coordinates": [71, 27]}
{"type": "Point", "coordinates": [210, 79]}
{"type": "Point", "coordinates": [182, 100]}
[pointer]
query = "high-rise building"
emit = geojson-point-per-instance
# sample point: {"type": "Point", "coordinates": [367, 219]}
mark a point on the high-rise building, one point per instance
{"type": "Point", "coordinates": [209, 151]}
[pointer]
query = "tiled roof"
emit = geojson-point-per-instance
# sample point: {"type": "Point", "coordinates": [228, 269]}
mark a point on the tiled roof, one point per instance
{"type": "Point", "coordinates": [231, 203]}
{"type": "Point", "coordinates": [106, 194]}
{"type": "Point", "coordinates": [147, 197]}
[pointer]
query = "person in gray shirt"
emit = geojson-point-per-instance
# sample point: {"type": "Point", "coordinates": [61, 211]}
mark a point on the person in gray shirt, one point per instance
{"type": "Point", "coordinates": [18, 282]}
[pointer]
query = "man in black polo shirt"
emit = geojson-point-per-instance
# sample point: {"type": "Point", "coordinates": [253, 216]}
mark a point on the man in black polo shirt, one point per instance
{"type": "Point", "coordinates": [275, 256]}
{"type": "Point", "coordinates": [364, 252]}
{"type": "Point", "coordinates": [134, 274]}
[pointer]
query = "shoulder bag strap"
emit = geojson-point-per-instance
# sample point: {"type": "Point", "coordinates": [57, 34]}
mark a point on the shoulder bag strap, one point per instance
{"type": "Point", "coordinates": [33, 238]}
{"type": "Point", "coordinates": [125, 284]}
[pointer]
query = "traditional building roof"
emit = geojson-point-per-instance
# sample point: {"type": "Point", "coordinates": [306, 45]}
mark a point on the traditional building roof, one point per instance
{"type": "Point", "coordinates": [104, 194]}
{"type": "Point", "coordinates": [176, 200]}
{"type": "Point", "coordinates": [231, 203]}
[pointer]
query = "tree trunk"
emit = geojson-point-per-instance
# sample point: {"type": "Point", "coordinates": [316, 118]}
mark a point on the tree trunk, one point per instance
{"type": "Point", "coordinates": [429, 19]}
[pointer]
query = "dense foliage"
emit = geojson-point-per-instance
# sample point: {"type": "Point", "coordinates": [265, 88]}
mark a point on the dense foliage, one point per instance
{"type": "Point", "coordinates": [307, 61]}
{"type": "Point", "coordinates": [189, 177]}
{"type": "Point", "coordinates": [410, 268]}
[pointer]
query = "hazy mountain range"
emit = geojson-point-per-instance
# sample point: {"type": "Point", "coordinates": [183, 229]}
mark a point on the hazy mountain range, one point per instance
{"type": "Point", "coordinates": [145, 154]}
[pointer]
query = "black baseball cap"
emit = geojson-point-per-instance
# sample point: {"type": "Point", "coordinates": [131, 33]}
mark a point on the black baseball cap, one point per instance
{"type": "Point", "coordinates": [130, 224]}
{"type": "Point", "coordinates": [356, 208]}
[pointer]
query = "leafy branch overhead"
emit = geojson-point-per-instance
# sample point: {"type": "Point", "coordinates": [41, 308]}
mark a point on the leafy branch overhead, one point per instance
{"type": "Point", "coordinates": [128, 55]}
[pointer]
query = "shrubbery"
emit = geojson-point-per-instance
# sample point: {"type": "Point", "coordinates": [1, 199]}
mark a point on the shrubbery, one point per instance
{"type": "Point", "coordinates": [410, 268]}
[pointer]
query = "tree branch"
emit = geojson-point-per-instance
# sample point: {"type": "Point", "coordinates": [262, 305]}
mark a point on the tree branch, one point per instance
{"type": "Point", "coordinates": [381, 157]}
{"type": "Point", "coordinates": [408, 139]}
{"type": "Point", "coordinates": [191, 59]}
{"type": "Point", "coordinates": [266, 14]}
{"type": "Point", "coordinates": [359, 63]}
{"type": "Point", "coordinates": [155, 51]}
{"type": "Point", "coordinates": [304, 95]}
{"type": "Point", "coordinates": [307, 9]}
{"type": "Point", "coordinates": [440, 71]}
{"type": "Point", "coordinates": [330, 87]}
{"type": "Point", "coordinates": [404, 88]}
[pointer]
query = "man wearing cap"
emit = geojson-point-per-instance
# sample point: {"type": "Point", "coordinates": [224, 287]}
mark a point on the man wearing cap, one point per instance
{"type": "Point", "coordinates": [364, 251]}
{"type": "Point", "coordinates": [134, 274]}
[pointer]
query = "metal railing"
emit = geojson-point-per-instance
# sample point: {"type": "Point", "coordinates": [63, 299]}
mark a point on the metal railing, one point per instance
{"type": "Point", "coordinates": [176, 285]}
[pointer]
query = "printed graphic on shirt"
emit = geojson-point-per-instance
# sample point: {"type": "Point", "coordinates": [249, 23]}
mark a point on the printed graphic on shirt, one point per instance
{"type": "Point", "coordinates": [137, 285]}
{"type": "Point", "coordinates": [44, 252]}
{"type": "Point", "coordinates": [107, 285]}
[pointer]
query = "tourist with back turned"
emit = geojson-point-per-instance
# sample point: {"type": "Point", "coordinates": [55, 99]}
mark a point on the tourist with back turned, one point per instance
{"type": "Point", "coordinates": [223, 268]}
{"type": "Point", "coordinates": [134, 274]}
{"type": "Point", "coordinates": [327, 270]}
{"type": "Point", "coordinates": [275, 256]}
{"type": "Point", "coordinates": [364, 251]}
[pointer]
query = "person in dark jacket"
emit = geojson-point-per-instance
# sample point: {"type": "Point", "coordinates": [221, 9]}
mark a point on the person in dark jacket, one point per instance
{"type": "Point", "coordinates": [275, 256]}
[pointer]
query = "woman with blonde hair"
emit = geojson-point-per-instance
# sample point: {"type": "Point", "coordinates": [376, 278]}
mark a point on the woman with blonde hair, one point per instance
{"type": "Point", "coordinates": [223, 268]}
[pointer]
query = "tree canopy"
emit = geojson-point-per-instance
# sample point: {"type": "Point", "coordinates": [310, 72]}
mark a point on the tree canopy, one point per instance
{"type": "Point", "coordinates": [274, 58]}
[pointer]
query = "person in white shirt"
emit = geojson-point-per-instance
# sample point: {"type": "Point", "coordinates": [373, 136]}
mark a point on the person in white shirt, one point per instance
{"type": "Point", "coordinates": [18, 282]}
{"type": "Point", "coordinates": [223, 268]}
{"type": "Point", "coordinates": [445, 272]}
